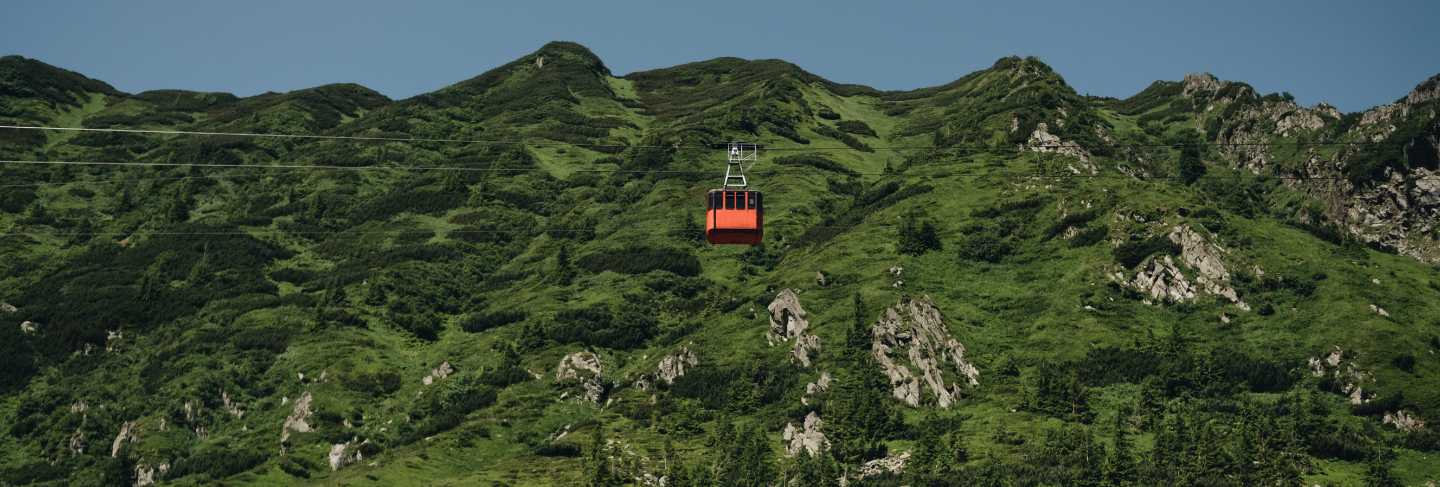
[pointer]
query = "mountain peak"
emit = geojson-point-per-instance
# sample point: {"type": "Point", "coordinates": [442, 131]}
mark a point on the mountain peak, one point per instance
{"type": "Point", "coordinates": [562, 51]}
{"type": "Point", "coordinates": [23, 77]}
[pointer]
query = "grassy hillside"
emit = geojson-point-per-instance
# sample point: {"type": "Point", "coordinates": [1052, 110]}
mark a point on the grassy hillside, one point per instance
{"type": "Point", "coordinates": [1146, 290]}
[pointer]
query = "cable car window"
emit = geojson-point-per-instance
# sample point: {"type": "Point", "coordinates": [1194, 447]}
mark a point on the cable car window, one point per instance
{"type": "Point", "coordinates": [729, 200]}
{"type": "Point", "coordinates": [754, 200]}
{"type": "Point", "coordinates": [715, 200]}
{"type": "Point", "coordinates": [759, 203]}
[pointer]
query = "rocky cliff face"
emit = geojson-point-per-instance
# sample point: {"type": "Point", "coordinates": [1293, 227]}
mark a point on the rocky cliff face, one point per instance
{"type": "Point", "coordinates": [1377, 177]}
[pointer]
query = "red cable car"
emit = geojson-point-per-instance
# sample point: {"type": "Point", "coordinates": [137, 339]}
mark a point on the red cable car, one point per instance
{"type": "Point", "coordinates": [734, 217]}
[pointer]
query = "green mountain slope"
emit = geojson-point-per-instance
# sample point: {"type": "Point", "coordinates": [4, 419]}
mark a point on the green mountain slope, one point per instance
{"type": "Point", "coordinates": [994, 280]}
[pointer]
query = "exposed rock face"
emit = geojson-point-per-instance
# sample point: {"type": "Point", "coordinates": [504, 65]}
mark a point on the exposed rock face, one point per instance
{"type": "Point", "coordinates": [298, 419]}
{"type": "Point", "coordinates": [1399, 210]}
{"type": "Point", "coordinates": [585, 368]}
{"type": "Point", "coordinates": [1041, 140]}
{"type": "Point", "coordinates": [1404, 421]}
{"type": "Point", "coordinates": [673, 366]}
{"type": "Point", "coordinates": [347, 453]}
{"type": "Point", "coordinates": [439, 372]}
{"type": "Point", "coordinates": [807, 438]}
{"type": "Point", "coordinates": [129, 433]}
{"type": "Point", "coordinates": [893, 465]}
{"type": "Point", "coordinates": [788, 322]}
{"type": "Point", "coordinates": [1346, 373]}
{"type": "Point", "coordinates": [914, 332]}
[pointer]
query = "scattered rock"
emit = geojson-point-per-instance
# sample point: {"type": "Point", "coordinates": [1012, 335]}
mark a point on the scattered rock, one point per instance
{"type": "Point", "coordinates": [8, 308]}
{"type": "Point", "coordinates": [807, 438]}
{"type": "Point", "coordinates": [585, 368]}
{"type": "Point", "coordinates": [1379, 311]}
{"type": "Point", "coordinates": [820, 279]}
{"type": "Point", "coordinates": [788, 321]}
{"type": "Point", "coordinates": [914, 331]}
{"type": "Point", "coordinates": [129, 433]}
{"type": "Point", "coordinates": [1404, 421]}
{"type": "Point", "coordinates": [439, 372]}
{"type": "Point", "coordinates": [29, 327]}
{"type": "Point", "coordinates": [298, 419]}
{"type": "Point", "coordinates": [1346, 373]}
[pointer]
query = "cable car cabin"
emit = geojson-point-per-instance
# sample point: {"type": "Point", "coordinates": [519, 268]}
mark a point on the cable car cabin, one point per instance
{"type": "Point", "coordinates": [734, 217]}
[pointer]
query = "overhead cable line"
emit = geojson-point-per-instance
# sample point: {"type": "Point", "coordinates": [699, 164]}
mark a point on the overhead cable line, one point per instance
{"type": "Point", "coordinates": [792, 169]}
{"type": "Point", "coordinates": [1019, 147]}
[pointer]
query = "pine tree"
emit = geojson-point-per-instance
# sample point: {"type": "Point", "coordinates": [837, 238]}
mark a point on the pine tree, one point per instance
{"type": "Point", "coordinates": [564, 267]}
{"type": "Point", "coordinates": [1120, 467]}
{"type": "Point", "coordinates": [917, 233]}
{"type": "Point", "coordinates": [860, 414]}
{"type": "Point", "coordinates": [675, 473]}
{"type": "Point", "coordinates": [1378, 472]}
{"type": "Point", "coordinates": [597, 464]}
{"type": "Point", "coordinates": [858, 337]}
{"type": "Point", "coordinates": [1191, 168]}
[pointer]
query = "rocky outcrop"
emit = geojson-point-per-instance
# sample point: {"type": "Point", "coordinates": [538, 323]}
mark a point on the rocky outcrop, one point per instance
{"type": "Point", "coordinates": [585, 369]}
{"type": "Point", "coordinates": [29, 327]}
{"type": "Point", "coordinates": [807, 438]}
{"type": "Point", "coordinates": [230, 405]}
{"type": "Point", "coordinates": [673, 366]}
{"type": "Point", "coordinates": [129, 433]}
{"type": "Point", "coordinates": [8, 308]}
{"type": "Point", "coordinates": [1404, 421]}
{"type": "Point", "coordinates": [1200, 254]}
{"type": "Point", "coordinates": [347, 453]}
{"type": "Point", "coordinates": [788, 322]}
{"type": "Point", "coordinates": [299, 418]}
{"type": "Point", "coordinates": [145, 475]}
{"type": "Point", "coordinates": [891, 465]}
{"type": "Point", "coordinates": [113, 339]}
{"type": "Point", "coordinates": [916, 352]}
{"type": "Point", "coordinates": [439, 372]}
{"type": "Point", "coordinates": [1163, 280]}
{"type": "Point", "coordinates": [1345, 372]}
{"type": "Point", "coordinates": [820, 386]}
{"type": "Point", "coordinates": [1042, 141]}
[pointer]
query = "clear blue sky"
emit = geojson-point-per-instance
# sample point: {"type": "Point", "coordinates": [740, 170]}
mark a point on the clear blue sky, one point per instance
{"type": "Point", "coordinates": [1351, 54]}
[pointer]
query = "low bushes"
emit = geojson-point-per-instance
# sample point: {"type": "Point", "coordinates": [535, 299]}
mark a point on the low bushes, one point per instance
{"type": "Point", "coordinates": [640, 260]}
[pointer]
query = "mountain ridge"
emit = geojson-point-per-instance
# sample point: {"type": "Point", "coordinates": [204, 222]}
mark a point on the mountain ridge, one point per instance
{"type": "Point", "coordinates": [1198, 281]}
